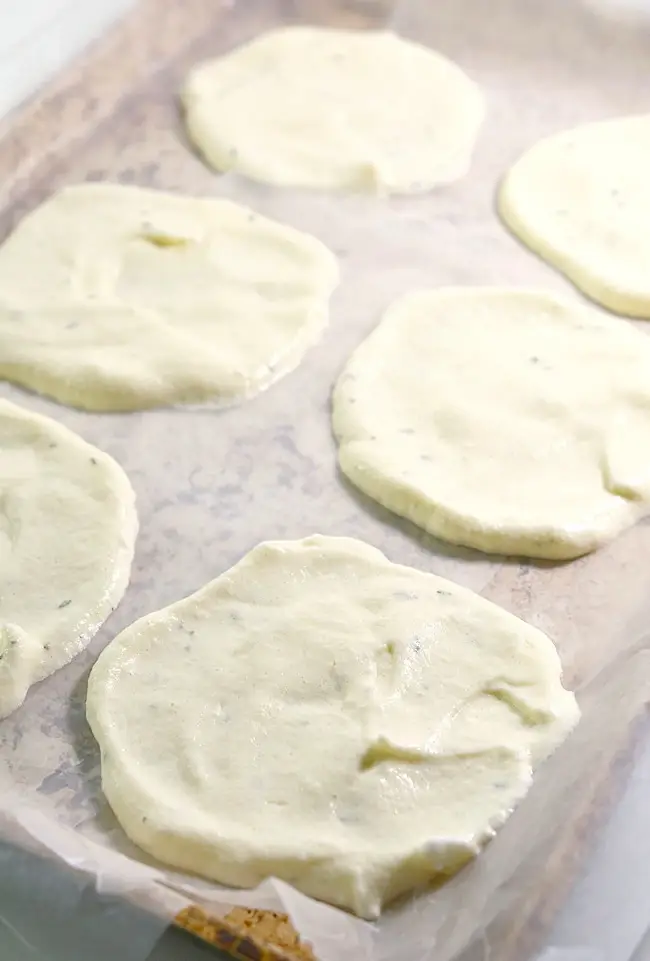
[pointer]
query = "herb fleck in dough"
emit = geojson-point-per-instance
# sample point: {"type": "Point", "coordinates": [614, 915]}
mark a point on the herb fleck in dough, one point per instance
{"type": "Point", "coordinates": [67, 533]}
{"type": "Point", "coordinates": [581, 199]}
{"type": "Point", "coordinates": [335, 109]}
{"type": "Point", "coordinates": [121, 298]}
{"type": "Point", "coordinates": [508, 420]}
{"type": "Point", "coordinates": [429, 706]}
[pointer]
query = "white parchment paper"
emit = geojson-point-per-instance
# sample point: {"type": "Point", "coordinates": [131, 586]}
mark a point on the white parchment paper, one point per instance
{"type": "Point", "coordinates": [211, 484]}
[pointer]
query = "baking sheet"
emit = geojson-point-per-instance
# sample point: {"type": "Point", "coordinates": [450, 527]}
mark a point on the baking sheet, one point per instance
{"type": "Point", "coordinates": [211, 484]}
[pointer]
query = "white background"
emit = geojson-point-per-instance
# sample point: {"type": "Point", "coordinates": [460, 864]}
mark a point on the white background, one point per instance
{"type": "Point", "coordinates": [37, 37]}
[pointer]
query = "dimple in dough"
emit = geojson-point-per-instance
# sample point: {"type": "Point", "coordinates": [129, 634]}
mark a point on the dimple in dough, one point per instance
{"type": "Point", "coordinates": [67, 532]}
{"type": "Point", "coordinates": [581, 199]}
{"type": "Point", "coordinates": [504, 419]}
{"type": "Point", "coordinates": [335, 109]}
{"type": "Point", "coordinates": [320, 714]}
{"type": "Point", "coordinates": [121, 298]}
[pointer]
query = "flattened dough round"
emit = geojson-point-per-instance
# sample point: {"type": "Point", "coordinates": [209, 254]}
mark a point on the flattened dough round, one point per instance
{"type": "Point", "coordinates": [320, 714]}
{"type": "Point", "coordinates": [581, 199]}
{"type": "Point", "coordinates": [508, 420]}
{"type": "Point", "coordinates": [67, 533]}
{"type": "Point", "coordinates": [120, 298]}
{"type": "Point", "coordinates": [335, 109]}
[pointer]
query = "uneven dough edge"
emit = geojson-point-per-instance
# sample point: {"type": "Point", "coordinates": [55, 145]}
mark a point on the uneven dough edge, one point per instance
{"type": "Point", "coordinates": [367, 182]}
{"type": "Point", "coordinates": [122, 401]}
{"type": "Point", "coordinates": [114, 592]}
{"type": "Point", "coordinates": [334, 879]}
{"type": "Point", "coordinates": [367, 178]}
{"type": "Point", "coordinates": [117, 396]}
{"type": "Point", "coordinates": [188, 851]}
{"type": "Point", "coordinates": [231, 859]}
{"type": "Point", "coordinates": [410, 503]}
{"type": "Point", "coordinates": [590, 283]}
{"type": "Point", "coordinates": [124, 559]}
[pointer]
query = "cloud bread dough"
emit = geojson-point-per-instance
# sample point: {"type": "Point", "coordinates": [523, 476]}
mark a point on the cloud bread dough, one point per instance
{"type": "Point", "coordinates": [335, 109]}
{"type": "Point", "coordinates": [508, 420]}
{"type": "Point", "coordinates": [581, 199]}
{"type": "Point", "coordinates": [320, 714]}
{"type": "Point", "coordinates": [67, 533]}
{"type": "Point", "coordinates": [121, 298]}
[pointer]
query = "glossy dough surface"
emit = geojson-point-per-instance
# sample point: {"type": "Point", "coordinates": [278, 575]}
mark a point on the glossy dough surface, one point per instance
{"type": "Point", "coordinates": [508, 420]}
{"type": "Point", "coordinates": [581, 199]}
{"type": "Point", "coordinates": [335, 109]}
{"type": "Point", "coordinates": [121, 298]}
{"type": "Point", "coordinates": [320, 714]}
{"type": "Point", "coordinates": [67, 533]}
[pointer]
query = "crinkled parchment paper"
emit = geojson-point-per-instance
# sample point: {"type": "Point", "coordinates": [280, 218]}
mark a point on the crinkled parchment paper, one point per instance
{"type": "Point", "coordinates": [211, 484]}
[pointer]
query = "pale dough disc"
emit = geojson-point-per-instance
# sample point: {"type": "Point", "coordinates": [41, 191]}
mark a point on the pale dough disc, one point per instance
{"type": "Point", "coordinates": [581, 199]}
{"type": "Point", "coordinates": [121, 298]}
{"type": "Point", "coordinates": [320, 714]}
{"type": "Point", "coordinates": [67, 532]}
{"type": "Point", "coordinates": [335, 109]}
{"type": "Point", "coordinates": [508, 420]}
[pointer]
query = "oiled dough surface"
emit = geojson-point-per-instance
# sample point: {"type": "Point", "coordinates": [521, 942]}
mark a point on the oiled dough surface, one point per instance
{"type": "Point", "coordinates": [320, 714]}
{"type": "Point", "coordinates": [67, 532]}
{"type": "Point", "coordinates": [581, 199]}
{"type": "Point", "coordinates": [508, 420]}
{"type": "Point", "coordinates": [335, 109]}
{"type": "Point", "coordinates": [121, 298]}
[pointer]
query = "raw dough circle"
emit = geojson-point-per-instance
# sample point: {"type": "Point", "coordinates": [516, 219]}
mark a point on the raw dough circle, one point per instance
{"type": "Point", "coordinates": [120, 298]}
{"type": "Point", "coordinates": [67, 534]}
{"type": "Point", "coordinates": [315, 107]}
{"type": "Point", "coordinates": [581, 199]}
{"type": "Point", "coordinates": [508, 420]}
{"type": "Point", "coordinates": [322, 715]}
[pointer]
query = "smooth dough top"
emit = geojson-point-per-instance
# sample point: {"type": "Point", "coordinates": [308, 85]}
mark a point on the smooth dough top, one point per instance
{"type": "Point", "coordinates": [509, 420]}
{"type": "Point", "coordinates": [121, 298]}
{"type": "Point", "coordinates": [581, 199]}
{"type": "Point", "coordinates": [67, 533]}
{"type": "Point", "coordinates": [323, 108]}
{"type": "Point", "coordinates": [320, 714]}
